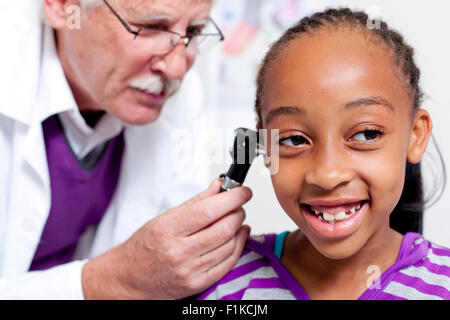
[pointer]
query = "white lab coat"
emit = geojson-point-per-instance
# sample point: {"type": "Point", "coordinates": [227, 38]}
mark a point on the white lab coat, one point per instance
{"type": "Point", "coordinates": [152, 180]}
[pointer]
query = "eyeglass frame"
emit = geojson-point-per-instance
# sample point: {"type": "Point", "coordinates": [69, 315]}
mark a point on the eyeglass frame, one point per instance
{"type": "Point", "coordinates": [186, 39]}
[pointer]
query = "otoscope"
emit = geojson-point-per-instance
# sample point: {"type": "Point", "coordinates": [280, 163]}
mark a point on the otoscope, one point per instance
{"type": "Point", "coordinates": [246, 148]}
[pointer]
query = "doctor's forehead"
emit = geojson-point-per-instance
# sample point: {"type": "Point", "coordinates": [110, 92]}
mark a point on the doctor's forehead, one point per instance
{"type": "Point", "coordinates": [170, 9]}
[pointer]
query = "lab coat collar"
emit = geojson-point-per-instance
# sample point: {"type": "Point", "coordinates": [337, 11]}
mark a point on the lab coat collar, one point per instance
{"type": "Point", "coordinates": [55, 95]}
{"type": "Point", "coordinates": [31, 70]}
{"type": "Point", "coordinates": [21, 28]}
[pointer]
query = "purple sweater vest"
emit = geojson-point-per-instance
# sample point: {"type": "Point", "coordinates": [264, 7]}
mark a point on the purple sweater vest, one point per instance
{"type": "Point", "coordinates": [79, 197]}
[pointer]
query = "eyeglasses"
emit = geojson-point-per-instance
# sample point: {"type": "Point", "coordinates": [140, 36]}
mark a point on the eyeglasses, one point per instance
{"type": "Point", "coordinates": [158, 41]}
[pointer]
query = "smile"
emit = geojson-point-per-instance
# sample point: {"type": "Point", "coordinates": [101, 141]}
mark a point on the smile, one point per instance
{"type": "Point", "coordinates": [334, 220]}
{"type": "Point", "coordinates": [335, 214]}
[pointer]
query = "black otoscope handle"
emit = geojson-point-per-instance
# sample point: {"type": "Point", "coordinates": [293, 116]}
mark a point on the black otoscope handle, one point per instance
{"type": "Point", "coordinates": [244, 151]}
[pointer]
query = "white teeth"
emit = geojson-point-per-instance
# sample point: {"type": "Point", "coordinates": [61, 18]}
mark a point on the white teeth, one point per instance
{"type": "Point", "coordinates": [328, 217]}
{"type": "Point", "coordinates": [340, 216]}
{"type": "Point", "coordinates": [332, 218]}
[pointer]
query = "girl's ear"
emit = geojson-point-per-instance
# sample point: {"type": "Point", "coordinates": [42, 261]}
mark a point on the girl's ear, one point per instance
{"type": "Point", "coordinates": [267, 161]}
{"type": "Point", "coordinates": [421, 131]}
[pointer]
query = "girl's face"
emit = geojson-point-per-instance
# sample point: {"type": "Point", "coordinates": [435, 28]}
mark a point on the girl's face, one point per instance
{"type": "Point", "coordinates": [346, 129]}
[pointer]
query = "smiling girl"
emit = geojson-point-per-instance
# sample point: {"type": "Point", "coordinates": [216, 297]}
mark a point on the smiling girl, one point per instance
{"type": "Point", "coordinates": [346, 101]}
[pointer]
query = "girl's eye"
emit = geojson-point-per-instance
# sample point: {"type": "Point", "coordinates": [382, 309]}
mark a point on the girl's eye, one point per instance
{"type": "Point", "coordinates": [367, 135]}
{"type": "Point", "coordinates": [293, 141]}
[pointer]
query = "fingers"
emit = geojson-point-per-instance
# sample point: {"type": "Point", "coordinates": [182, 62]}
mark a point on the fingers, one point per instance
{"type": "Point", "coordinates": [222, 260]}
{"type": "Point", "coordinates": [211, 267]}
{"type": "Point", "coordinates": [214, 257]}
{"type": "Point", "coordinates": [218, 233]}
{"type": "Point", "coordinates": [197, 215]}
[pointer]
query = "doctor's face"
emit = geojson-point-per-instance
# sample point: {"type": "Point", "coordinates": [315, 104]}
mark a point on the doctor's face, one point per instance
{"type": "Point", "coordinates": [107, 71]}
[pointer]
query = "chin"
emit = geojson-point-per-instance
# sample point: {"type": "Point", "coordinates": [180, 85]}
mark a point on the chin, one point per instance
{"type": "Point", "coordinates": [337, 249]}
{"type": "Point", "coordinates": [141, 115]}
{"type": "Point", "coordinates": [141, 121]}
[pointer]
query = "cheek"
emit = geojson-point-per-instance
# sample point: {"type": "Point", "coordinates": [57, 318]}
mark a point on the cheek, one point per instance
{"type": "Point", "coordinates": [112, 55]}
{"type": "Point", "coordinates": [287, 183]}
{"type": "Point", "coordinates": [384, 176]}
{"type": "Point", "coordinates": [117, 70]}
{"type": "Point", "coordinates": [190, 60]}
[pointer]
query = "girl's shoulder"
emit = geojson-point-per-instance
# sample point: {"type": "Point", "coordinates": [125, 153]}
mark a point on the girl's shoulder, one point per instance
{"type": "Point", "coordinates": [422, 270]}
{"type": "Point", "coordinates": [432, 256]}
{"type": "Point", "coordinates": [436, 259]}
{"type": "Point", "coordinates": [254, 276]}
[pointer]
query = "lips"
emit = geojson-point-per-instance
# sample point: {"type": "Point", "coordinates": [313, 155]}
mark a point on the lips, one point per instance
{"type": "Point", "coordinates": [334, 219]}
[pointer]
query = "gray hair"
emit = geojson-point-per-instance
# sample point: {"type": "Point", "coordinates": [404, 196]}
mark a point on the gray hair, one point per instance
{"type": "Point", "coordinates": [88, 4]}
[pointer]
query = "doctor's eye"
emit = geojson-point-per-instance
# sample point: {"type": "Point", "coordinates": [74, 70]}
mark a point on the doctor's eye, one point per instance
{"type": "Point", "coordinates": [194, 31]}
{"type": "Point", "coordinates": [151, 29]}
{"type": "Point", "coordinates": [293, 141]}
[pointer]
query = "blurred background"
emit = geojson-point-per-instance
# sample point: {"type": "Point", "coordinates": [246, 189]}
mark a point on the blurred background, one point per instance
{"type": "Point", "coordinates": [226, 79]}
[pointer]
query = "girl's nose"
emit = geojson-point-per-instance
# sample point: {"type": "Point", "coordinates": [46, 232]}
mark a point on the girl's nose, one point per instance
{"type": "Point", "coordinates": [329, 168]}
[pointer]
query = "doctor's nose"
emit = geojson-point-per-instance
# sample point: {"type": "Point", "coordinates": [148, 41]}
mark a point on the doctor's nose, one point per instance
{"type": "Point", "coordinates": [175, 63]}
{"type": "Point", "coordinates": [329, 169]}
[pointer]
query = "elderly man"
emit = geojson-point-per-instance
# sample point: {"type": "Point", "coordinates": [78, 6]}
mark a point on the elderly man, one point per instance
{"type": "Point", "coordinates": [82, 191]}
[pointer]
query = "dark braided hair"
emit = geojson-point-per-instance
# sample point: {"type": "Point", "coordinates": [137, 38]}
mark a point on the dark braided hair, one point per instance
{"type": "Point", "coordinates": [408, 214]}
{"type": "Point", "coordinates": [402, 53]}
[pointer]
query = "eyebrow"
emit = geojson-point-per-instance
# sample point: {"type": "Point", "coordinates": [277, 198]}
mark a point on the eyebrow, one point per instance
{"type": "Point", "coordinates": [369, 101]}
{"type": "Point", "coordinates": [162, 17]}
{"type": "Point", "coordinates": [287, 110]}
{"type": "Point", "coordinates": [351, 105]}
{"type": "Point", "coordinates": [153, 17]}
{"type": "Point", "coordinates": [202, 22]}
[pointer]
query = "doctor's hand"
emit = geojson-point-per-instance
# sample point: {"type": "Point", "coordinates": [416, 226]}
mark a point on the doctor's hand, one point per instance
{"type": "Point", "coordinates": [178, 254]}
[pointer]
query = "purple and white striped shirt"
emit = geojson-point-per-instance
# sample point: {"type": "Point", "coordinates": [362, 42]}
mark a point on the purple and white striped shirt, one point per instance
{"type": "Point", "coordinates": [421, 272]}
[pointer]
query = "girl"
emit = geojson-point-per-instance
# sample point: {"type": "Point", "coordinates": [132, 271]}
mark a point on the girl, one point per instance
{"type": "Point", "coordinates": [346, 101]}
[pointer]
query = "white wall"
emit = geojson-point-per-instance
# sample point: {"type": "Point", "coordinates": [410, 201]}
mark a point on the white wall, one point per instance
{"type": "Point", "coordinates": [423, 24]}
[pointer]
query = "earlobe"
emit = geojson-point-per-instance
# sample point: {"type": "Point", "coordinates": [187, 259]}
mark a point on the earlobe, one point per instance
{"type": "Point", "coordinates": [420, 134]}
{"type": "Point", "coordinates": [55, 11]}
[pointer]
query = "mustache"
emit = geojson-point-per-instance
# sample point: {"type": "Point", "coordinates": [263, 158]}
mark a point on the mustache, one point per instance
{"type": "Point", "coordinates": [156, 84]}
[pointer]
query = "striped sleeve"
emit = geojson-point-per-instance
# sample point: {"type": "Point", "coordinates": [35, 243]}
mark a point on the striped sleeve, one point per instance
{"type": "Point", "coordinates": [253, 277]}
{"type": "Point", "coordinates": [428, 279]}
